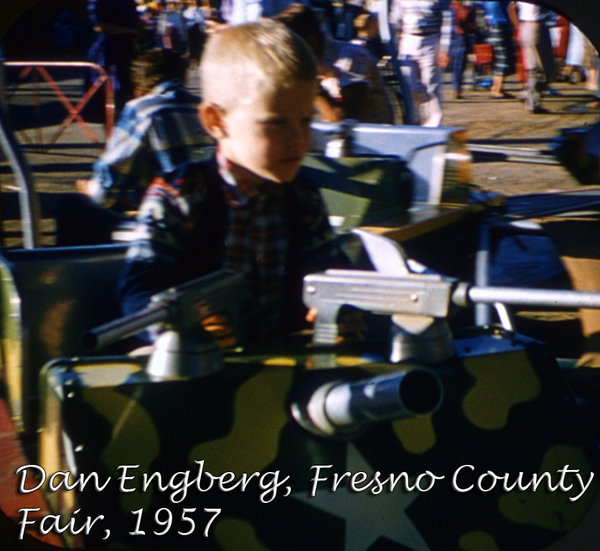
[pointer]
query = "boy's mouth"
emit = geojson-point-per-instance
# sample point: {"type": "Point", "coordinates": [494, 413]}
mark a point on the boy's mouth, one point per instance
{"type": "Point", "coordinates": [293, 160]}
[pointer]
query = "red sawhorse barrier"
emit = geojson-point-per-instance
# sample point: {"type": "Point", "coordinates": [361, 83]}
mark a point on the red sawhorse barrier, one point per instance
{"type": "Point", "coordinates": [74, 111]}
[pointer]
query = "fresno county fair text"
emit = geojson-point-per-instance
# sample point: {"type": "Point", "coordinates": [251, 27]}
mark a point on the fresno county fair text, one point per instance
{"type": "Point", "coordinates": [269, 485]}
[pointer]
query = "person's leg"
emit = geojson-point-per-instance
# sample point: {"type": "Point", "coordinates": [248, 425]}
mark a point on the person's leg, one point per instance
{"type": "Point", "coordinates": [545, 55]}
{"type": "Point", "coordinates": [501, 41]}
{"type": "Point", "coordinates": [528, 33]}
{"type": "Point", "coordinates": [575, 47]}
{"type": "Point", "coordinates": [409, 85]}
{"type": "Point", "coordinates": [431, 77]}
{"type": "Point", "coordinates": [458, 57]}
{"type": "Point", "coordinates": [410, 78]}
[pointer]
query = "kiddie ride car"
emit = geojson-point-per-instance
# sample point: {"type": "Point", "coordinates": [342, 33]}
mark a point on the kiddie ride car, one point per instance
{"type": "Point", "coordinates": [431, 434]}
{"type": "Point", "coordinates": [422, 440]}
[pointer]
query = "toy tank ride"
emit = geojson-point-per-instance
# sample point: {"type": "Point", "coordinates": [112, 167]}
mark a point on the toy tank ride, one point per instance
{"type": "Point", "coordinates": [422, 440]}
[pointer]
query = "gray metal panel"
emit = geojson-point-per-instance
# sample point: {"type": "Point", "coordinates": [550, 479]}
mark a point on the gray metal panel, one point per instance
{"type": "Point", "coordinates": [423, 148]}
{"type": "Point", "coordinates": [50, 297]}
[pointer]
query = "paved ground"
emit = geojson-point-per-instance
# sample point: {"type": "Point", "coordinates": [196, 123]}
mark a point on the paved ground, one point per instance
{"type": "Point", "coordinates": [507, 123]}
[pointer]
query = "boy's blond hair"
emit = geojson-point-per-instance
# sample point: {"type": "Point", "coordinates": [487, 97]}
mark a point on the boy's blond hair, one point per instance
{"type": "Point", "coordinates": [253, 57]}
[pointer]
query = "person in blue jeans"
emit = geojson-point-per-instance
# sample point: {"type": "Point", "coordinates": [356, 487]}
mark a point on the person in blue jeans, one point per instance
{"type": "Point", "coordinates": [118, 29]}
{"type": "Point", "coordinates": [463, 38]}
{"type": "Point", "coordinates": [424, 30]}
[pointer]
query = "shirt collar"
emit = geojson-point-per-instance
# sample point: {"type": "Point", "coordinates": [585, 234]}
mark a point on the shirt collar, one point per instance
{"type": "Point", "coordinates": [166, 86]}
{"type": "Point", "coordinates": [240, 188]}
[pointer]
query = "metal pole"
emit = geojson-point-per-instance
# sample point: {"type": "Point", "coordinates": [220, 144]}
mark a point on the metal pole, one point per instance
{"type": "Point", "coordinates": [534, 297]}
{"type": "Point", "coordinates": [483, 312]}
{"type": "Point", "coordinates": [30, 209]}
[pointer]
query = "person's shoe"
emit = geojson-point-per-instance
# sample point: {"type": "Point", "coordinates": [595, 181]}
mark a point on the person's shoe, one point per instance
{"type": "Point", "coordinates": [591, 107]}
{"type": "Point", "coordinates": [539, 110]}
{"type": "Point", "coordinates": [549, 91]}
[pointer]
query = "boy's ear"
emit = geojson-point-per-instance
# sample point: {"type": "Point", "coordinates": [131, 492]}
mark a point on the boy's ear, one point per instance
{"type": "Point", "coordinates": [211, 117]}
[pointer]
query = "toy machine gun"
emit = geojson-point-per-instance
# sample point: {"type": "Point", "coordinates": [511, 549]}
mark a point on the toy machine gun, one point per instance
{"type": "Point", "coordinates": [182, 347]}
{"type": "Point", "coordinates": [419, 302]}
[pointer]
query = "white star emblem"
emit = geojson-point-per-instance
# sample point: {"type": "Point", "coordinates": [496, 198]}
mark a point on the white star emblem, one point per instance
{"type": "Point", "coordinates": [367, 516]}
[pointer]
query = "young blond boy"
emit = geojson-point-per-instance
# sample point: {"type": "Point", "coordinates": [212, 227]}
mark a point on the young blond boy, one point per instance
{"type": "Point", "coordinates": [247, 209]}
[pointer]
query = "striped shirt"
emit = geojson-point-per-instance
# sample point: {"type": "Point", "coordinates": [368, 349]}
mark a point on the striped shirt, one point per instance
{"type": "Point", "coordinates": [154, 135]}
{"type": "Point", "coordinates": [423, 18]}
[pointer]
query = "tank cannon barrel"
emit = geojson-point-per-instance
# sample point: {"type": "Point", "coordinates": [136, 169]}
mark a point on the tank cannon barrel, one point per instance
{"type": "Point", "coordinates": [343, 408]}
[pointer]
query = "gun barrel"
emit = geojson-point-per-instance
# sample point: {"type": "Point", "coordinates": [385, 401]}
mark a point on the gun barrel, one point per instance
{"type": "Point", "coordinates": [554, 298]}
{"type": "Point", "coordinates": [345, 407]}
{"type": "Point", "coordinates": [121, 328]}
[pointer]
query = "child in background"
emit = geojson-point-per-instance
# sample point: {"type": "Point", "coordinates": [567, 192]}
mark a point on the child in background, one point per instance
{"type": "Point", "coordinates": [350, 84]}
{"type": "Point", "coordinates": [156, 132]}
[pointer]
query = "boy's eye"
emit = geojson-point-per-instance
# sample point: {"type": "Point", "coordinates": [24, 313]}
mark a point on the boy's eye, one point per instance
{"type": "Point", "coordinates": [279, 122]}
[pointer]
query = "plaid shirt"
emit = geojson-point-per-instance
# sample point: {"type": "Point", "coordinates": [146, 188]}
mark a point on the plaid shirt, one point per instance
{"type": "Point", "coordinates": [208, 217]}
{"type": "Point", "coordinates": [155, 133]}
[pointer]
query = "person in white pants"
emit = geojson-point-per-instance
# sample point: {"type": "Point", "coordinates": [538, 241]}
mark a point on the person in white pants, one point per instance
{"type": "Point", "coordinates": [424, 29]}
{"type": "Point", "coordinates": [533, 36]}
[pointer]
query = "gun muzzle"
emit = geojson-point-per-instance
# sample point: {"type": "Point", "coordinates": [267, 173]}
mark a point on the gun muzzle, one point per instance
{"type": "Point", "coordinates": [344, 408]}
{"type": "Point", "coordinates": [114, 331]}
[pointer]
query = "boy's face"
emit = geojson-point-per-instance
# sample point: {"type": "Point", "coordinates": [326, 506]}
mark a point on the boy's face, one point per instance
{"type": "Point", "coordinates": [269, 134]}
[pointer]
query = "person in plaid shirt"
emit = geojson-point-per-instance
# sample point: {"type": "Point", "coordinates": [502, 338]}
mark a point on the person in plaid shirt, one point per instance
{"type": "Point", "coordinates": [156, 132]}
{"type": "Point", "coordinates": [247, 209]}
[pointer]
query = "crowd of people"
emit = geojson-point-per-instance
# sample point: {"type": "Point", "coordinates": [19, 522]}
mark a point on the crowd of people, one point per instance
{"type": "Point", "coordinates": [381, 61]}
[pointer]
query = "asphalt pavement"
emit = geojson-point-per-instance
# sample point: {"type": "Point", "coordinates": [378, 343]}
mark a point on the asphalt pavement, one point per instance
{"type": "Point", "coordinates": [528, 163]}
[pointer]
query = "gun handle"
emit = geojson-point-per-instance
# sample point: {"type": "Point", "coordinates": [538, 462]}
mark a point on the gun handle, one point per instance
{"type": "Point", "coordinates": [326, 327]}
